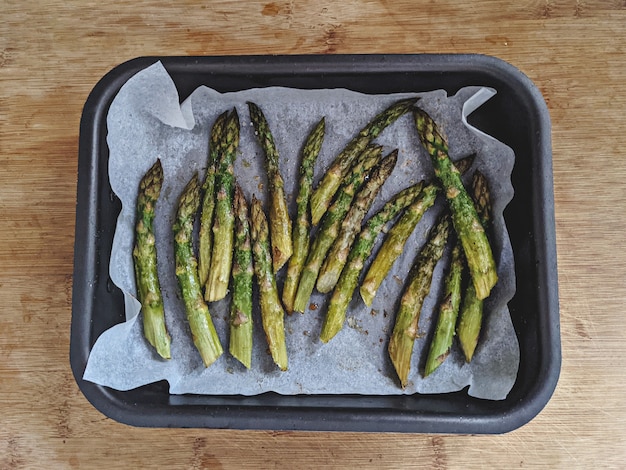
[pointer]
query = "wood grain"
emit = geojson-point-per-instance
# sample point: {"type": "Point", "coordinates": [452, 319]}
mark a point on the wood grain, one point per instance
{"type": "Point", "coordinates": [53, 52]}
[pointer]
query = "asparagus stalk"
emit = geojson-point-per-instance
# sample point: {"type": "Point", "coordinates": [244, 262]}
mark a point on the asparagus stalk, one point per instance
{"type": "Point", "coordinates": [272, 313]}
{"type": "Point", "coordinates": [302, 226]}
{"type": "Point", "coordinates": [394, 243]}
{"type": "Point", "coordinates": [448, 312]}
{"type": "Point", "coordinates": [482, 198]}
{"type": "Point", "coordinates": [329, 227]}
{"type": "Point", "coordinates": [280, 223]}
{"type": "Point", "coordinates": [471, 316]}
{"type": "Point", "coordinates": [202, 330]}
{"type": "Point", "coordinates": [338, 254]}
{"type": "Point", "coordinates": [470, 321]}
{"type": "Point", "coordinates": [420, 277]}
{"type": "Point", "coordinates": [349, 278]}
{"type": "Point", "coordinates": [323, 195]}
{"type": "Point", "coordinates": [224, 220]}
{"type": "Point", "coordinates": [145, 260]}
{"type": "Point", "coordinates": [205, 238]}
{"type": "Point", "coordinates": [241, 303]}
{"type": "Point", "coordinates": [464, 217]}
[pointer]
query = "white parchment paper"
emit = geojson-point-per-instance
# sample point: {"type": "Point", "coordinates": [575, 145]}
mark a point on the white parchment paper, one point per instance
{"type": "Point", "coordinates": [146, 121]}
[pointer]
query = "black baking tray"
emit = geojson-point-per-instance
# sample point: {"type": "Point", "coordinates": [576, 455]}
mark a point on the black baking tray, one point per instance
{"type": "Point", "coordinates": [517, 116]}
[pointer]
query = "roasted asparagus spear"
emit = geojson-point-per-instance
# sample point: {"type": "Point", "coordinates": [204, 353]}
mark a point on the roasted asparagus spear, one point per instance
{"type": "Point", "coordinates": [272, 313]}
{"type": "Point", "coordinates": [471, 316]}
{"type": "Point", "coordinates": [329, 228]}
{"type": "Point", "coordinates": [202, 330]}
{"type": "Point", "coordinates": [280, 223]}
{"type": "Point", "coordinates": [464, 217]}
{"type": "Point", "coordinates": [302, 226]}
{"type": "Point", "coordinates": [145, 258]}
{"type": "Point", "coordinates": [338, 254]}
{"type": "Point", "coordinates": [394, 243]}
{"type": "Point", "coordinates": [240, 345]}
{"type": "Point", "coordinates": [416, 289]}
{"type": "Point", "coordinates": [323, 195]}
{"type": "Point", "coordinates": [205, 238]}
{"type": "Point", "coordinates": [349, 278]}
{"type": "Point", "coordinates": [224, 219]}
{"type": "Point", "coordinates": [448, 312]}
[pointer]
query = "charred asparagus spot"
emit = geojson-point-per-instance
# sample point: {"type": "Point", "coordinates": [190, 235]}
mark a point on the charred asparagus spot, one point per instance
{"type": "Point", "coordinates": [330, 183]}
{"type": "Point", "coordinates": [224, 219]}
{"type": "Point", "coordinates": [205, 238]}
{"type": "Point", "coordinates": [240, 345]}
{"type": "Point", "coordinates": [202, 329]}
{"type": "Point", "coordinates": [471, 316]}
{"type": "Point", "coordinates": [302, 225]}
{"type": "Point", "coordinates": [280, 223]}
{"type": "Point", "coordinates": [464, 164]}
{"type": "Point", "coordinates": [338, 254]}
{"type": "Point", "coordinates": [145, 261]}
{"type": "Point", "coordinates": [448, 312]}
{"type": "Point", "coordinates": [329, 227]}
{"type": "Point", "coordinates": [416, 289]}
{"type": "Point", "coordinates": [272, 313]}
{"type": "Point", "coordinates": [464, 217]}
{"type": "Point", "coordinates": [482, 198]}
{"type": "Point", "coordinates": [349, 278]}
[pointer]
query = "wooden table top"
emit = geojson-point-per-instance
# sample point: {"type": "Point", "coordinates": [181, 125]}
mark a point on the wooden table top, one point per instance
{"type": "Point", "coordinates": [51, 55]}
